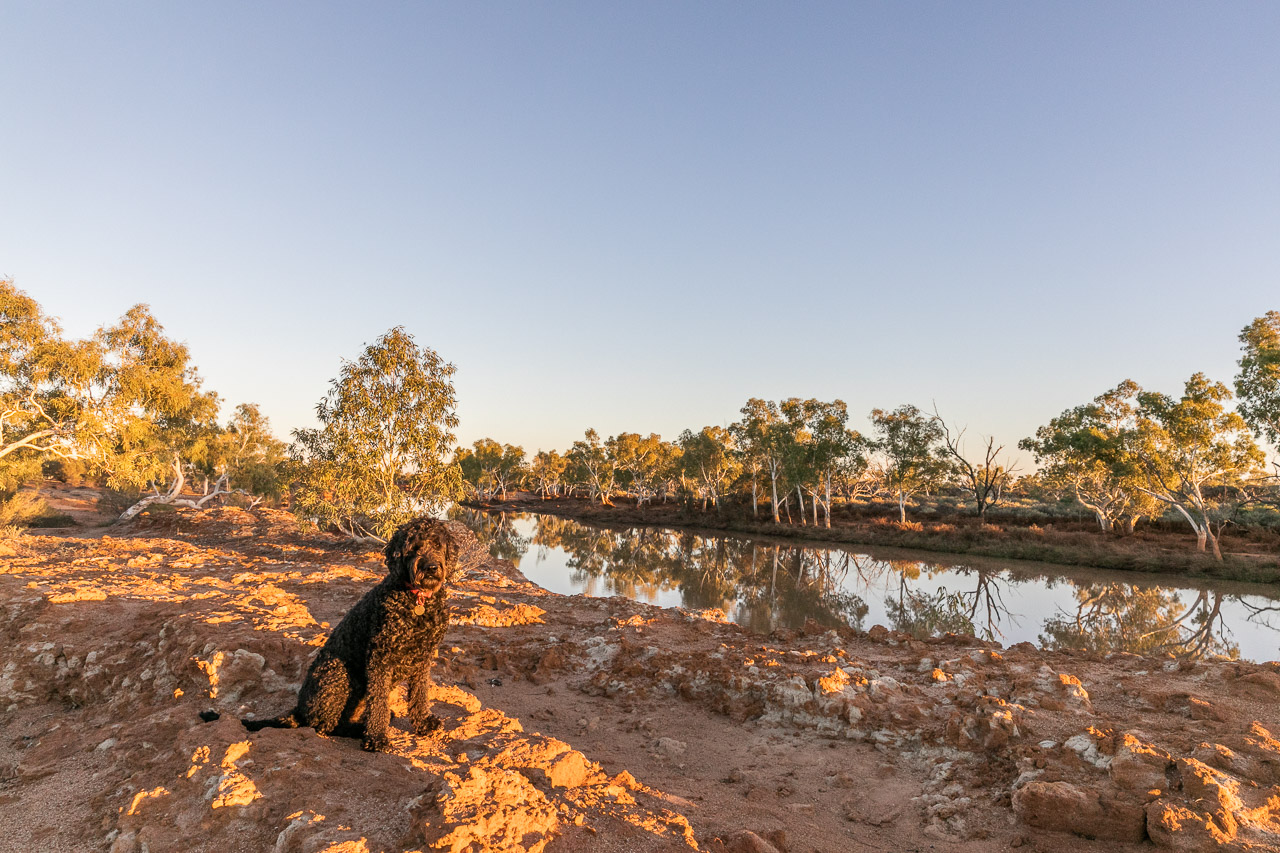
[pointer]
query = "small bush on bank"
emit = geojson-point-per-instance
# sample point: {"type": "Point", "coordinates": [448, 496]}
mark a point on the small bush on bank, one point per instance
{"type": "Point", "coordinates": [73, 472]}
{"type": "Point", "coordinates": [22, 509]}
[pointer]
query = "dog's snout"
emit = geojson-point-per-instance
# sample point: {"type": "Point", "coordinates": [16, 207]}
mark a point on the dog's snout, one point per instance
{"type": "Point", "coordinates": [425, 568]}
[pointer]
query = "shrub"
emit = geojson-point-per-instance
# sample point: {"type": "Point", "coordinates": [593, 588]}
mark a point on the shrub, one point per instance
{"type": "Point", "coordinates": [73, 472]}
{"type": "Point", "coordinates": [19, 509]}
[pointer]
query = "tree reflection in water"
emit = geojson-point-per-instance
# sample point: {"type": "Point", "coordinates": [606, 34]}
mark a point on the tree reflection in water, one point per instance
{"type": "Point", "coordinates": [495, 529]}
{"type": "Point", "coordinates": [786, 586]}
{"type": "Point", "coordinates": [979, 611]}
{"type": "Point", "coordinates": [1114, 617]}
{"type": "Point", "coordinates": [764, 585]}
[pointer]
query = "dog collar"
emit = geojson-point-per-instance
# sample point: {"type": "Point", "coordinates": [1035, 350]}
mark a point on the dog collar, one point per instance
{"type": "Point", "coordinates": [420, 600]}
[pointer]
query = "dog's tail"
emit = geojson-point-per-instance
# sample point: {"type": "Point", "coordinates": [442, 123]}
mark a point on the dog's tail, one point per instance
{"type": "Point", "coordinates": [288, 721]}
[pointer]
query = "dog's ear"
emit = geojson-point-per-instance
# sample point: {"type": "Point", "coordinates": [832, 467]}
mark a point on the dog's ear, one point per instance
{"type": "Point", "coordinates": [394, 546]}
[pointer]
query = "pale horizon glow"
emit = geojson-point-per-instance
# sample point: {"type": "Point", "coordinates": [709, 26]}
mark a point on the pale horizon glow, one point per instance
{"type": "Point", "coordinates": [635, 217]}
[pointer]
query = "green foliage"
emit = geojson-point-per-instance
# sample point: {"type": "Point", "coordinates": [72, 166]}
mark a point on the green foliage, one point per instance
{"type": "Point", "coordinates": [710, 460]}
{"type": "Point", "coordinates": [127, 403]}
{"type": "Point", "coordinates": [46, 384]}
{"type": "Point", "coordinates": [490, 468]}
{"type": "Point", "coordinates": [590, 465]}
{"type": "Point", "coordinates": [1085, 451]}
{"type": "Point", "coordinates": [909, 445]}
{"type": "Point", "coordinates": [248, 454]}
{"type": "Point", "coordinates": [760, 436]}
{"type": "Point", "coordinates": [826, 450]}
{"type": "Point", "coordinates": [547, 471]}
{"type": "Point", "coordinates": [21, 509]}
{"type": "Point", "coordinates": [1258, 383]}
{"type": "Point", "coordinates": [1131, 448]}
{"type": "Point", "coordinates": [778, 440]}
{"type": "Point", "coordinates": [1186, 445]}
{"type": "Point", "coordinates": [380, 456]}
{"type": "Point", "coordinates": [640, 462]}
{"type": "Point", "coordinates": [73, 472]}
{"type": "Point", "coordinates": [160, 417]}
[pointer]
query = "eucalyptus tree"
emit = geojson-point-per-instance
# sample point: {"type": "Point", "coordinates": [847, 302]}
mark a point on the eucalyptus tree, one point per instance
{"type": "Point", "coordinates": [380, 455]}
{"type": "Point", "coordinates": [1258, 383]}
{"type": "Point", "coordinates": [1087, 449]}
{"type": "Point", "coordinates": [510, 469]}
{"type": "Point", "coordinates": [491, 468]}
{"type": "Point", "coordinates": [1190, 444]}
{"type": "Point", "coordinates": [128, 402]}
{"type": "Point", "coordinates": [908, 443]}
{"type": "Point", "coordinates": [835, 452]}
{"type": "Point", "coordinates": [46, 382]}
{"type": "Point", "coordinates": [749, 447]}
{"type": "Point", "coordinates": [43, 404]}
{"type": "Point", "coordinates": [590, 464]}
{"type": "Point", "coordinates": [162, 426]}
{"type": "Point", "coordinates": [547, 471]}
{"type": "Point", "coordinates": [472, 473]}
{"type": "Point", "coordinates": [765, 439]}
{"type": "Point", "coordinates": [111, 399]}
{"type": "Point", "coordinates": [855, 477]}
{"type": "Point", "coordinates": [709, 459]}
{"type": "Point", "coordinates": [670, 471]}
{"type": "Point", "coordinates": [640, 462]}
{"type": "Point", "coordinates": [245, 457]}
{"type": "Point", "coordinates": [796, 446]}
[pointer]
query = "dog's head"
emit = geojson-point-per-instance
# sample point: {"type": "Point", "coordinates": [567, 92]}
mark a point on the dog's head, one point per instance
{"type": "Point", "coordinates": [422, 555]}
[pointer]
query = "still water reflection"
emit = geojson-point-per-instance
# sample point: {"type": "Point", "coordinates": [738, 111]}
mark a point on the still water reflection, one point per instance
{"type": "Point", "coordinates": [765, 584]}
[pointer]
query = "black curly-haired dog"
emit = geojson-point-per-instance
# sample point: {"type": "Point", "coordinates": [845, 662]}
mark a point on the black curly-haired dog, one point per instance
{"type": "Point", "coordinates": [389, 636]}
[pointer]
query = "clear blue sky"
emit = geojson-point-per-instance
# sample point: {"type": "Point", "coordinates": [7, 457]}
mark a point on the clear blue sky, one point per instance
{"type": "Point", "coordinates": [636, 216]}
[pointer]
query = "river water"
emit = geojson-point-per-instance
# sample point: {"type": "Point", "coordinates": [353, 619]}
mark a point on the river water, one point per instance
{"type": "Point", "coordinates": [764, 584]}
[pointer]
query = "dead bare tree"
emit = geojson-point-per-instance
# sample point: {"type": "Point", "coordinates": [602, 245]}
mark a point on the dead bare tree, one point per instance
{"type": "Point", "coordinates": [985, 480]}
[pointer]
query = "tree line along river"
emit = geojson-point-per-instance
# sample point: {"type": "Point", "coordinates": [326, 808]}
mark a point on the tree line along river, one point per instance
{"type": "Point", "coordinates": [764, 584]}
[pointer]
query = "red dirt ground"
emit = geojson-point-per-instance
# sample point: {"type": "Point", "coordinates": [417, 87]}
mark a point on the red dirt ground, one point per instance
{"type": "Point", "coordinates": [575, 724]}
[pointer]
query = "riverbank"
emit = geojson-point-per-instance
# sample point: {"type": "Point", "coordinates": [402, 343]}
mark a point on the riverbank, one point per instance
{"type": "Point", "coordinates": [581, 724]}
{"type": "Point", "coordinates": [1157, 552]}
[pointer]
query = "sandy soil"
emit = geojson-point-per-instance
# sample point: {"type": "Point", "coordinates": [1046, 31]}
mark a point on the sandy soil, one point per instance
{"type": "Point", "coordinates": [580, 724]}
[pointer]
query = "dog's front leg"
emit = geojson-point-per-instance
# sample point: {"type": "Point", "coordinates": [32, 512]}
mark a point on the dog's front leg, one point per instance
{"type": "Point", "coordinates": [378, 708]}
{"type": "Point", "coordinates": [424, 722]}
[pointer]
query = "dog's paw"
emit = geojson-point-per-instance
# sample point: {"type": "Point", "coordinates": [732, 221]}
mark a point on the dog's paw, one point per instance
{"type": "Point", "coordinates": [428, 726]}
{"type": "Point", "coordinates": [376, 744]}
